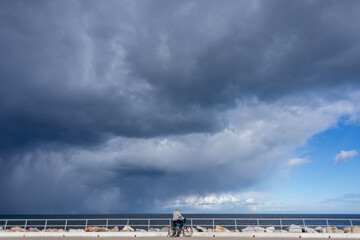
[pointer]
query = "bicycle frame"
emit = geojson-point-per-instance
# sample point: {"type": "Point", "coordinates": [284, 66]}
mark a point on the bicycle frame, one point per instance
{"type": "Point", "coordinates": [175, 231]}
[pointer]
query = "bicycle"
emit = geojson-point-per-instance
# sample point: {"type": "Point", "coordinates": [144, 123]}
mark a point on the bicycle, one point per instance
{"type": "Point", "coordinates": [187, 231]}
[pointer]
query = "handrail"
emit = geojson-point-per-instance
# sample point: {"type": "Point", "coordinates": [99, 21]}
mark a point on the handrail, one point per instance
{"type": "Point", "coordinates": [151, 222]}
{"type": "Point", "coordinates": [125, 219]}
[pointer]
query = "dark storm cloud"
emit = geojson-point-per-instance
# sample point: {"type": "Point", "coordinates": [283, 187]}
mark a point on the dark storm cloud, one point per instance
{"type": "Point", "coordinates": [47, 96]}
{"type": "Point", "coordinates": [269, 50]}
{"type": "Point", "coordinates": [76, 74]}
{"type": "Point", "coordinates": [193, 58]}
{"type": "Point", "coordinates": [63, 181]}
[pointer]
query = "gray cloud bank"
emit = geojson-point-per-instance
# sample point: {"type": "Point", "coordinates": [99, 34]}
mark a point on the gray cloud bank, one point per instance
{"type": "Point", "coordinates": [107, 105]}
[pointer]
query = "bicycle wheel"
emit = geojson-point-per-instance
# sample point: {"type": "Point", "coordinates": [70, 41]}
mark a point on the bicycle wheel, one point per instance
{"type": "Point", "coordinates": [188, 231]}
{"type": "Point", "coordinates": [171, 232]}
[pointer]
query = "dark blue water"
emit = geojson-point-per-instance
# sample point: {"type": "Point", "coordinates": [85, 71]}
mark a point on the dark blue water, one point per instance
{"type": "Point", "coordinates": [190, 215]}
{"type": "Point", "coordinates": [161, 220]}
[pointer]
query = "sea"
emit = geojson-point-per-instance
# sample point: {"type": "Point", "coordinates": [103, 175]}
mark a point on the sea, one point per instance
{"type": "Point", "coordinates": [147, 221]}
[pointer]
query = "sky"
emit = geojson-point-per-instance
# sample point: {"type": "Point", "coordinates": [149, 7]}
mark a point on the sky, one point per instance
{"type": "Point", "coordinates": [208, 106]}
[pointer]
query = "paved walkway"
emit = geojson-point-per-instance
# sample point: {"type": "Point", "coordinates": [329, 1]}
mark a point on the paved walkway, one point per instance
{"type": "Point", "coordinates": [155, 238]}
{"type": "Point", "coordinates": [164, 238]}
{"type": "Point", "coordinates": [163, 235]}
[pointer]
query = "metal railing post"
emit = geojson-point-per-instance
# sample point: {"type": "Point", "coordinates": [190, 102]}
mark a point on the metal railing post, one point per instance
{"type": "Point", "coordinates": [86, 223]}
{"type": "Point", "coordinates": [107, 223]}
{"type": "Point", "coordinates": [127, 222]}
{"type": "Point", "coordinates": [6, 222]}
{"type": "Point", "coordinates": [65, 224]}
{"type": "Point", "coordinates": [258, 222]}
{"type": "Point", "coordinates": [148, 224]}
{"type": "Point", "coordinates": [281, 224]}
{"type": "Point", "coordinates": [45, 225]}
{"type": "Point", "coordinates": [191, 222]}
{"type": "Point", "coordinates": [351, 224]}
{"type": "Point", "coordinates": [235, 225]}
{"type": "Point", "coordinates": [213, 225]}
{"type": "Point", "coordinates": [304, 224]}
{"type": "Point", "coordinates": [169, 223]}
{"type": "Point", "coordinates": [25, 224]}
{"type": "Point", "coordinates": [327, 225]}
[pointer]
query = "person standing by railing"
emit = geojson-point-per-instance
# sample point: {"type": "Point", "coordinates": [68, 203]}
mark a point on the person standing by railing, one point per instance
{"type": "Point", "coordinates": [177, 218]}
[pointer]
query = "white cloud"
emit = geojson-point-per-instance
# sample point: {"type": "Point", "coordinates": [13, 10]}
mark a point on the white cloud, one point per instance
{"type": "Point", "coordinates": [254, 208]}
{"type": "Point", "coordinates": [221, 201]}
{"type": "Point", "coordinates": [296, 162]}
{"type": "Point", "coordinates": [250, 201]}
{"type": "Point", "coordinates": [345, 156]}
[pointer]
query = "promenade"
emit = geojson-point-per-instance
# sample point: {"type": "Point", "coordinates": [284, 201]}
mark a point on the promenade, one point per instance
{"type": "Point", "coordinates": [196, 236]}
{"type": "Point", "coordinates": [154, 238]}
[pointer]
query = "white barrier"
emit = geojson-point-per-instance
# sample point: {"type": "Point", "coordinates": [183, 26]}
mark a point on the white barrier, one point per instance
{"type": "Point", "coordinates": [197, 234]}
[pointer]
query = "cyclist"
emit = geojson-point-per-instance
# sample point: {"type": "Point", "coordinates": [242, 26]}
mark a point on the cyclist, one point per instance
{"type": "Point", "coordinates": [178, 218]}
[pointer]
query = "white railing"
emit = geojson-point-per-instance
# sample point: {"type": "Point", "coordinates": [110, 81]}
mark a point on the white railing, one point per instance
{"type": "Point", "coordinates": [147, 224]}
